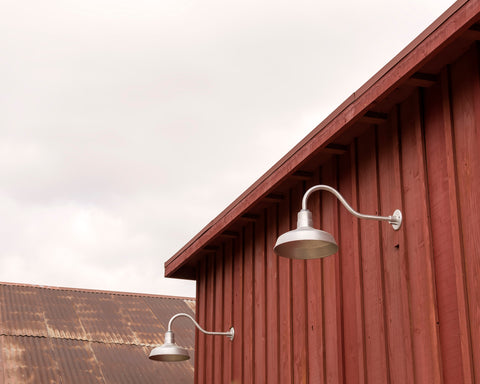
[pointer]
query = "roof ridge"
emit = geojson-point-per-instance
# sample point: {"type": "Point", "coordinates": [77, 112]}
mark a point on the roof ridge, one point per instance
{"type": "Point", "coordinates": [97, 291]}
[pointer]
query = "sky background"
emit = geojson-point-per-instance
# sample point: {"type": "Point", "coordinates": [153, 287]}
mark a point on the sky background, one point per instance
{"type": "Point", "coordinates": [127, 126]}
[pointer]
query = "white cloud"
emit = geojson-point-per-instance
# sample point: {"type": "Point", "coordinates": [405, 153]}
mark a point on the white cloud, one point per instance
{"type": "Point", "coordinates": [82, 246]}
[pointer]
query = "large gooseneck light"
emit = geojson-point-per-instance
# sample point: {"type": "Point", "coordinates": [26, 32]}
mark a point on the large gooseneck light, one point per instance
{"type": "Point", "coordinates": [170, 351]}
{"type": "Point", "coordinates": [306, 242]}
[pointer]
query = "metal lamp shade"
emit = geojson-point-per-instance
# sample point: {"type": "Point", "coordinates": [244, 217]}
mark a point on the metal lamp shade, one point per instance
{"type": "Point", "coordinates": [169, 351]}
{"type": "Point", "coordinates": [305, 242]}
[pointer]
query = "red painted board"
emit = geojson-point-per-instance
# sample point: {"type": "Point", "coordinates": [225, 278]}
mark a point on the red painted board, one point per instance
{"type": "Point", "coordinates": [418, 246]}
{"type": "Point", "coordinates": [248, 312]}
{"type": "Point", "coordinates": [259, 321]}
{"type": "Point", "coordinates": [397, 308]}
{"type": "Point", "coordinates": [466, 122]}
{"type": "Point", "coordinates": [238, 342]}
{"type": "Point", "coordinates": [372, 261]}
{"type": "Point", "coordinates": [299, 307]}
{"type": "Point", "coordinates": [228, 308]}
{"type": "Point", "coordinates": [285, 302]}
{"type": "Point", "coordinates": [272, 298]}
{"type": "Point", "coordinates": [315, 308]}
{"type": "Point", "coordinates": [331, 284]}
{"type": "Point", "coordinates": [352, 283]}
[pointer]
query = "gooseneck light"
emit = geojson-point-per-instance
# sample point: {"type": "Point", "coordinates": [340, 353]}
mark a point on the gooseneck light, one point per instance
{"type": "Point", "coordinates": [170, 351]}
{"type": "Point", "coordinates": [306, 242]}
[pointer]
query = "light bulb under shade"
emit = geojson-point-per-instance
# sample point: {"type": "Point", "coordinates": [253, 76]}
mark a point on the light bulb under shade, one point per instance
{"type": "Point", "coordinates": [305, 243]}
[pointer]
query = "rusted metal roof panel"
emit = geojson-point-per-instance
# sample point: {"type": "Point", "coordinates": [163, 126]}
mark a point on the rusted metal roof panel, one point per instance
{"type": "Point", "coordinates": [16, 304]}
{"type": "Point", "coordinates": [60, 316]}
{"type": "Point", "coordinates": [51, 335]}
{"type": "Point", "coordinates": [75, 361]}
{"type": "Point", "coordinates": [28, 360]}
{"type": "Point", "coordinates": [127, 364]}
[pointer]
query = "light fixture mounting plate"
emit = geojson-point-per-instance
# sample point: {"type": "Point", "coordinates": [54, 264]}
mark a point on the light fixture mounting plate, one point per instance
{"type": "Point", "coordinates": [397, 215]}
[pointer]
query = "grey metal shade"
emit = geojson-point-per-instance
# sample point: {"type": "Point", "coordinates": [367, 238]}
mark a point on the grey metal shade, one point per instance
{"type": "Point", "coordinates": [305, 243]}
{"type": "Point", "coordinates": [169, 351]}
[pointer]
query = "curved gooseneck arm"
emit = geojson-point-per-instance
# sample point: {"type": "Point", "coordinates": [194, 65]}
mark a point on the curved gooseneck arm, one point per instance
{"type": "Point", "coordinates": [230, 333]}
{"type": "Point", "coordinates": [395, 220]}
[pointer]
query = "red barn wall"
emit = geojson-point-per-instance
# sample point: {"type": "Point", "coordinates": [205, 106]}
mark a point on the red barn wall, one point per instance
{"type": "Point", "coordinates": [390, 307]}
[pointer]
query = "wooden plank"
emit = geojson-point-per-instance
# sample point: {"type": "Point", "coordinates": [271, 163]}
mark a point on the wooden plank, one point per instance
{"type": "Point", "coordinates": [200, 311]}
{"type": "Point", "coordinates": [473, 32]}
{"type": "Point", "coordinates": [302, 175]}
{"type": "Point", "coordinates": [372, 262]}
{"type": "Point", "coordinates": [209, 318]}
{"type": "Point", "coordinates": [197, 318]}
{"type": "Point", "coordinates": [352, 284]}
{"type": "Point", "coordinates": [274, 198]}
{"type": "Point", "coordinates": [423, 80]}
{"type": "Point", "coordinates": [272, 298]}
{"type": "Point", "coordinates": [397, 311]}
{"type": "Point", "coordinates": [285, 302]}
{"type": "Point", "coordinates": [335, 149]}
{"type": "Point", "coordinates": [466, 123]}
{"type": "Point", "coordinates": [259, 321]}
{"type": "Point", "coordinates": [421, 278]}
{"type": "Point", "coordinates": [248, 310]}
{"type": "Point", "coordinates": [228, 310]}
{"type": "Point", "coordinates": [238, 342]}
{"type": "Point", "coordinates": [218, 323]}
{"type": "Point", "coordinates": [331, 284]}
{"type": "Point", "coordinates": [457, 254]}
{"type": "Point", "coordinates": [299, 307]}
{"type": "Point", "coordinates": [315, 308]}
{"type": "Point", "coordinates": [442, 222]}
{"type": "Point", "coordinates": [230, 234]}
{"type": "Point", "coordinates": [249, 217]}
{"type": "Point", "coordinates": [372, 117]}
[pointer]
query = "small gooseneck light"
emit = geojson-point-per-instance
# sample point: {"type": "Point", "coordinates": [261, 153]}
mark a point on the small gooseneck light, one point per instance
{"type": "Point", "coordinates": [170, 351]}
{"type": "Point", "coordinates": [306, 242]}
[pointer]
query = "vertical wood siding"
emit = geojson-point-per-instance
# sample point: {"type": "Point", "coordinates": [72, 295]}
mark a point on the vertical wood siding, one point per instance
{"type": "Point", "coordinates": [390, 307]}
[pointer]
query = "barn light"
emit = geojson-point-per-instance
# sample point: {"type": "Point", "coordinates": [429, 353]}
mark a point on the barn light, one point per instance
{"type": "Point", "coordinates": [170, 351]}
{"type": "Point", "coordinates": [306, 242]}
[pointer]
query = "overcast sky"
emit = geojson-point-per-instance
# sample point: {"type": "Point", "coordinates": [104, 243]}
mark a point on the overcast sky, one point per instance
{"type": "Point", "coordinates": [126, 126]}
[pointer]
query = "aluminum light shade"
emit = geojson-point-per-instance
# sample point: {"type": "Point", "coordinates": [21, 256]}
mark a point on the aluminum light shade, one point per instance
{"type": "Point", "coordinates": [305, 242]}
{"type": "Point", "coordinates": [169, 351]}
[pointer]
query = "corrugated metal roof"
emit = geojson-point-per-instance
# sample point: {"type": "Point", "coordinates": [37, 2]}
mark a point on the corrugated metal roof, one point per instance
{"type": "Point", "coordinates": [52, 335]}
